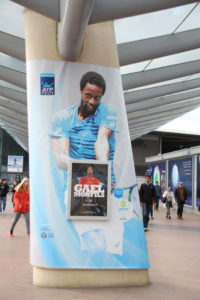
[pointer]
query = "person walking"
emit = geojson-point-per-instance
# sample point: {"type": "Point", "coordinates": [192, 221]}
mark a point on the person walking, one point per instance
{"type": "Point", "coordinates": [169, 199]}
{"type": "Point", "coordinates": [180, 196]}
{"type": "Point", "coordinates": [15, 183]}
{"type": "Point", "coordinates": [21, 206]}
{"type": "Point", "coordinates": [147, 197]}
{"type": "Point", "coordinates": [4, 189]}
{"type": "Point", "coordinates": [158, 195]}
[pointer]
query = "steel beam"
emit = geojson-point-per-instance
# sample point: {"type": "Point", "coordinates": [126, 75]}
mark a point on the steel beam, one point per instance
{"type": "Point", "coordinates": [48, 8]}
{"type": "Point", "coordinates": [105, 10]}
{"type": "Point", "coordinates": [12, 76]}
{"type": "Point", "coordinates": [163, 90]}
{"type": "Point", "coordinates": [137, 51]}
{"type": "Point", "coordinates": [71, 29]}
{"type": "Point", "coordinates": [138, 79]}
{"type": "Point", "coordinates": [164, 110]}
{"type": "Point", "coordinates": [13, 95]}
{"type": "Point", "coordinates": [160, 101]}
{"type": "Point", "coordinates": [6, 46]}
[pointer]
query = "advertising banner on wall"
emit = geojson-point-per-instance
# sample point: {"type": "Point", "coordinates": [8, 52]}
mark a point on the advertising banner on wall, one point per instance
{"type": "Point", "coordinates": [181, 170]}
{"type": "Point", "coordinates": [15, 163]}
{"type": "Point", "coordinates": [85, 210]}
{"type": "Point", "coordinates": [198, 181]}
{"type": "Point", "coordinates": [158, 173]}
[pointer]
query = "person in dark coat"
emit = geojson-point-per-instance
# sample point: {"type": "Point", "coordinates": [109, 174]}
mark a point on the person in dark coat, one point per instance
{"type": "Point", "coordinates": [158, 195]}
{"type": "Point", "coordinates": [180, 196]}
{"type": "Point", "coordinates": [4, 189]}
{"type": "Point", "coordinates": [147, 197]}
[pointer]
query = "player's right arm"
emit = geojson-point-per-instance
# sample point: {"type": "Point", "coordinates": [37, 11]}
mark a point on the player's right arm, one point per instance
{"type": "Point", "coordinates": [60, 147]}
{"type": "Point", "coordinates": [59, 138]}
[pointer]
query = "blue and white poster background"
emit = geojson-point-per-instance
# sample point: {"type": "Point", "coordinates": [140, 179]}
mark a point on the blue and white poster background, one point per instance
{"type": "Point", "coordinates": [181, 170]}
{"type": "Point", "coordinates": [198, 181]}
{"type": "Point", "coordinates": [57, 242]}
{"type": "Point", "coordinates": [157, 173]}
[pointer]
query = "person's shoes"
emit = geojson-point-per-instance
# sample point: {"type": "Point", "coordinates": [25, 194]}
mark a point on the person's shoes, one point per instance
{"type": "Point", "coordinates": [145, 229]}
{"type": "Point", "coordinates": [152, 218]}
{"type": "Point", "coordinates": [169, 217]}
{"type": "Point", "coordinates": [10, 234]}
{"type": "Point", "coordinates": [28, 235]}
{"type": "Point", "coordinates": [181, 218]}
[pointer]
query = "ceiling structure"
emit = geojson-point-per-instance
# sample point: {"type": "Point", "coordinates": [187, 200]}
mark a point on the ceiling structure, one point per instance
{"type": "Point", "coordinates": [158, 44]}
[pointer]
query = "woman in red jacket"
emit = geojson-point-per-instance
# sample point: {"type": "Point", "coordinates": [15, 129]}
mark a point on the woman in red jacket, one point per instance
{"type": "Point", "coordinates": [21, 205]}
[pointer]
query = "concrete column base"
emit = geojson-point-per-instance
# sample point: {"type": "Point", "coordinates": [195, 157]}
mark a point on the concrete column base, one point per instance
{"type": "Point", "coordinates": [79, 278]}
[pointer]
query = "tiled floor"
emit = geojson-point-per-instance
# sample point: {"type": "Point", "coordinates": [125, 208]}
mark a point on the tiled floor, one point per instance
{"type": "Point", "coordinates": [174, 249]}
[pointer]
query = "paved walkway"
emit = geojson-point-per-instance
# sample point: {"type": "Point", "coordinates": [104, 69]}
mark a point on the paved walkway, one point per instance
{"type": "Point", "coordinates": [174, 249]}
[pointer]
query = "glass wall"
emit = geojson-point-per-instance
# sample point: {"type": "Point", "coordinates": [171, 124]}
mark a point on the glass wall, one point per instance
{"type": "Point", "coordinates": [8, 147]}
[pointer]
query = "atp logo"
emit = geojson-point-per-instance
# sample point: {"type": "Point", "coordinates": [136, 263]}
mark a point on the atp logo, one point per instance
{"type": "Point", "coordinates": [47, 84]}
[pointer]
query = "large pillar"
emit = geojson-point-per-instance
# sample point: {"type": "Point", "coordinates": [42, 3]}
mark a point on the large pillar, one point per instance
{"type": "Point", "coordinates": [99, 48]}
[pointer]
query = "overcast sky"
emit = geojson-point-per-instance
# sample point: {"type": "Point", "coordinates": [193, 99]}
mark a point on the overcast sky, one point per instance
{"type": "Point", "coordinates": [188, 123]}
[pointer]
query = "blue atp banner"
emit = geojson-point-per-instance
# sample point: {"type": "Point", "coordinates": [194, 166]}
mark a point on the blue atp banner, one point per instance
{"type": "Point", "coordinates": [85, 210]}
{"type": "Point", "coordinates": [198, 181]}
{"type": "Point", "coordinates": [158, 173]}
{"type": "Point", "coordinates": [181, 170]}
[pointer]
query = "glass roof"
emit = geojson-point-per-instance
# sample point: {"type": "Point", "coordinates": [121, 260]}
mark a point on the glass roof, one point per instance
{"type": "Point", "coordinates": [12, 63]}
{"type": "Point", "coordinates": [157, 23]}
{"type": "Point", "coordinates": [11, 18]}
{"type": "Point", "coordinates": [176, 80]}
{"type": "Point", "coordinates": [135, 28]}
{"type": "Point", "coordinates": [11, 86]}
{"type": "Point", "coordinates": [189, 123]}
{"type": "Point", "coordinates": [165, 61]}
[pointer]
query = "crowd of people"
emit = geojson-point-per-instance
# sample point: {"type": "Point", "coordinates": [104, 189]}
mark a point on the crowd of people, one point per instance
{"type": "Point", "coordinates": [20, 201]}
{"type": "Point", "coordinates": [151, 195]}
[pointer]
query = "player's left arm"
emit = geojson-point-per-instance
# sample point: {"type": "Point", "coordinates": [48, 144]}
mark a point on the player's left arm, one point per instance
{"type": "Point", "coordinates": [102, 148]}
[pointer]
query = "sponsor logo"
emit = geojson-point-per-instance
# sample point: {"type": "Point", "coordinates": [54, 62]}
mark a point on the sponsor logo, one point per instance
{"type": "Point", "coordinates": [123, 206]}
{"type": "Point", "coordinates": [46, 232]}
{"type": "Point", "coordinates": [43, 235]}
{"type": "Point", "coordinates": [47, 84]}
{"type": "Point", "coordinates": [118, 193]}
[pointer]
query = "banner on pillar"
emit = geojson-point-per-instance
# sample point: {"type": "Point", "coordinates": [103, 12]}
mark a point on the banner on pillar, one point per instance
{"type": "Point", "coordinates": [77, 116]}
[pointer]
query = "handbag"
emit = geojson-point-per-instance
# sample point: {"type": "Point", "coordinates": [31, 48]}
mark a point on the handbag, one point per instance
{"type": "Point", "coordinates": [17, 203]}
{"type": "Point", "coordinates": [164, 199]}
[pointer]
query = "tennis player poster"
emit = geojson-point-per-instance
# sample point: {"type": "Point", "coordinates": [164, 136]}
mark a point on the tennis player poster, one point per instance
{"type": "Point", "coordinates": [77, 113]}
{"type": "Point", "coordinates": [89, 190]}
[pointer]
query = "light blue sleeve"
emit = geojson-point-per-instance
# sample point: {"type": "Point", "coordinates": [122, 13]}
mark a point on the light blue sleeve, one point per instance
{"type": "Point", "coordinates": [108, 117]}
{"type": "Point", "coordinates": [60, 125]}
